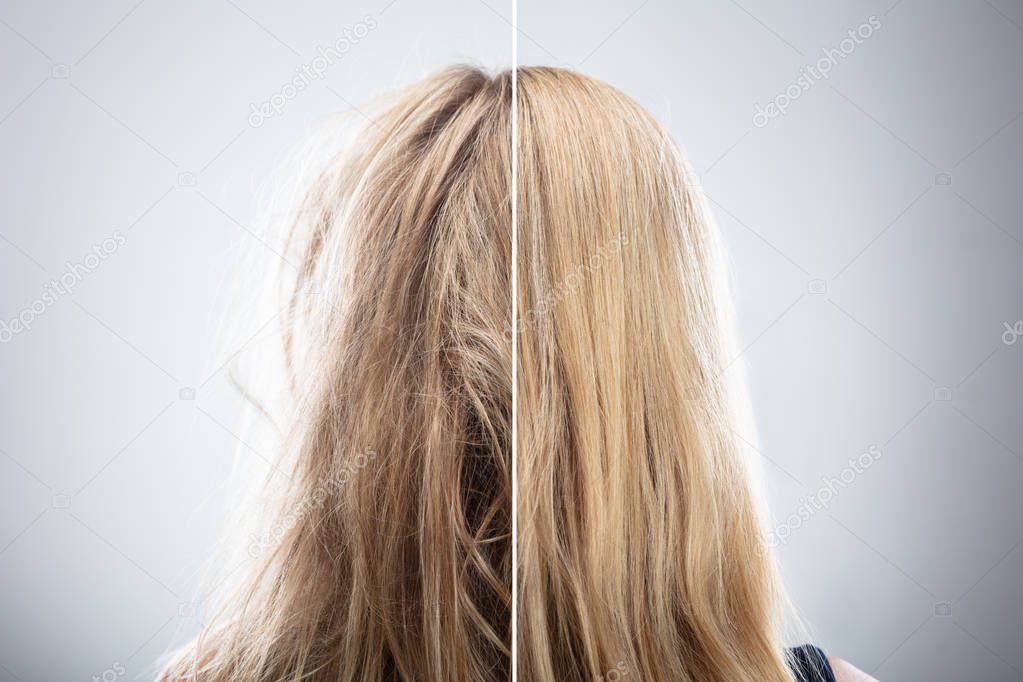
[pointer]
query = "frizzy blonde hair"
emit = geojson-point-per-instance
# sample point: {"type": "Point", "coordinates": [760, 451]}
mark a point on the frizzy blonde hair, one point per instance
{"type": "Point", "coordinates": [390, 556]}
{"type": "Point", "coordinates": [640, 537]}
{"type": "Point", "coordinates": [640, 549]}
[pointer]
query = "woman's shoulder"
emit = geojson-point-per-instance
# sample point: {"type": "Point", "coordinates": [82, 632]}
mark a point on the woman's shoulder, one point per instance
{"type": "Point", "coordinates": [810, 664]}
{"type": "Point", "coordinates": [846, 672]}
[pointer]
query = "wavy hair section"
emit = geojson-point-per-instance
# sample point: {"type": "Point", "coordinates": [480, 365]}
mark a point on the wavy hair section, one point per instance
{"type": "Point", "coordinates": [390, 552]}
{"type": "Point", "coordinates": [640, 544]}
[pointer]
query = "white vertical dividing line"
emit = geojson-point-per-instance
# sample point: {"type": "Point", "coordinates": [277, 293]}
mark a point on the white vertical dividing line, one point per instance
{"type": "Point", "coordinates": [515, 338]}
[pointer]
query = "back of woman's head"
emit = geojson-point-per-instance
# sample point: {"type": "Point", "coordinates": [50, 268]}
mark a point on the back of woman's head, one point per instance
{"type": "Point", "coordinates": [389, 549]}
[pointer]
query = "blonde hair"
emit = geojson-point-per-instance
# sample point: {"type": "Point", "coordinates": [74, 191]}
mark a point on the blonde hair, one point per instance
{"type": "Point", "coordinates": [391, 552]}
{"type": "Point", "coordinates": [639, 547]}
{"type": "Point", "coordinates": [640, 538]}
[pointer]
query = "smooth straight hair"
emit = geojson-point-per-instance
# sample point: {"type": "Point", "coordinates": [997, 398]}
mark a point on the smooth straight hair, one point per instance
{"type": "Point", "coordinates": [641, 552]}
{"type": "Point", "coordinates": [385, 550]}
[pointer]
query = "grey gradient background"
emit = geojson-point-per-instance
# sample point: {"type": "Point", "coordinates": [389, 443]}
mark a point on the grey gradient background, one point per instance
{"type": "Point", "coordinates": [866, 286]}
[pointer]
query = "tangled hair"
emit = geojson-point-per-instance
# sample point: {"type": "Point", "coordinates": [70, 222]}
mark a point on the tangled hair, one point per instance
{"type": "Point", "coordinates": [391, 556]}
{"type": "Point", "coordinates": [641, 553]}
{"type": "Point", "coordinates": [640, 549]}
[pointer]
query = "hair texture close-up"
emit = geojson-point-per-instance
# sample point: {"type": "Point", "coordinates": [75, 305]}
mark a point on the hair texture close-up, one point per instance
{"type": "Point", "coordinates": [390, 556]}
{"type": "Point", "coordinates": [640, 543]}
